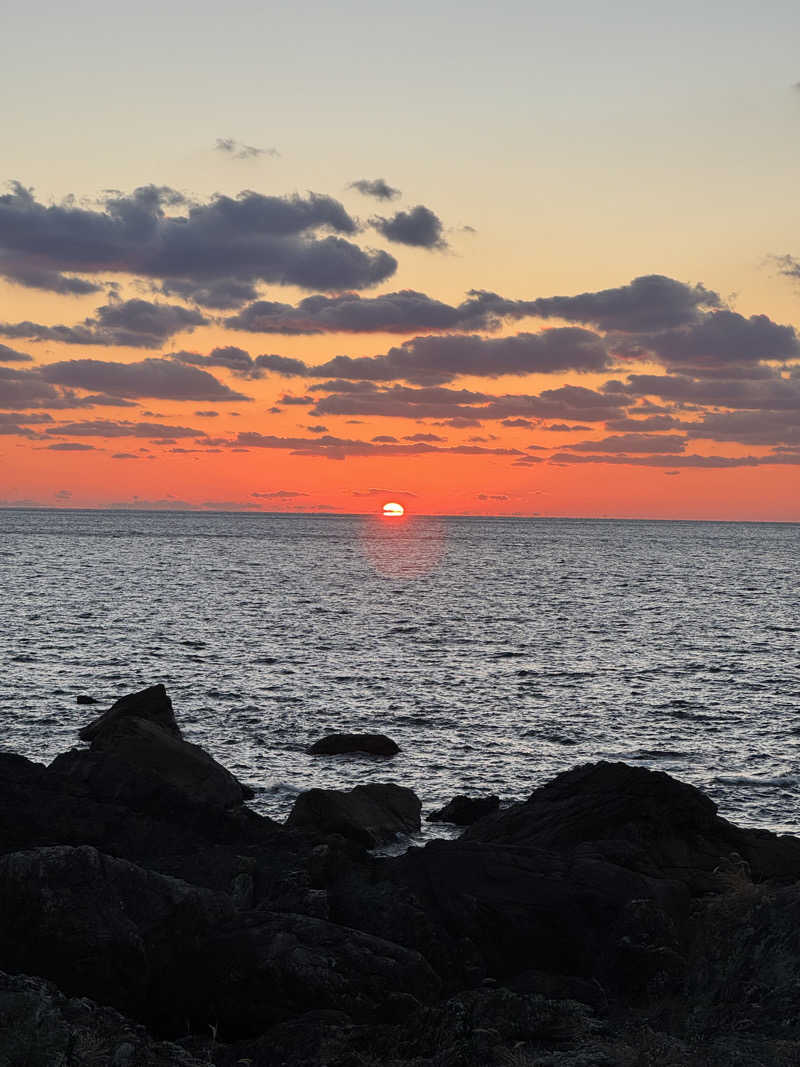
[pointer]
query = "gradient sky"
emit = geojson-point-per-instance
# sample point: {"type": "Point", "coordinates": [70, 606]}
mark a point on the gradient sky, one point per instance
{"type": "Point", "coordinates": [180, 179]}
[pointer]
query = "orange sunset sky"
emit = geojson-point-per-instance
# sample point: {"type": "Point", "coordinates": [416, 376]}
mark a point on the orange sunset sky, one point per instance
{"type": "Point", "coordinates": [480, 262]}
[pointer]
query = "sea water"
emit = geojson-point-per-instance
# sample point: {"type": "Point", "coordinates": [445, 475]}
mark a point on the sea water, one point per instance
{"type": "Point", "coordinates": [495, 651]}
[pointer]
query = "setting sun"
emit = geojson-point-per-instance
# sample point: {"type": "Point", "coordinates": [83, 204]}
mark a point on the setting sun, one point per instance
{"type": "Point", "coordinates": [393, 509]}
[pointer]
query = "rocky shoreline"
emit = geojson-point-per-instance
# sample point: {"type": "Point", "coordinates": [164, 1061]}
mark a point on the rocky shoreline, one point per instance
{"type": "Point", "coordinates": [148, 916]}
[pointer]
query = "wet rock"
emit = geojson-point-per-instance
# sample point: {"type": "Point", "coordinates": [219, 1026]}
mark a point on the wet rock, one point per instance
{"type": "Point", "coordinates": [336, 744]}
{"type": "Point", "coordinates": [82, 698]}
{"type": "Point", "coordinates": [369, 814]}
{"type": "Point", "coordinates": [463, 810]}
{"type": "Point", "coordinates": [152, 704]}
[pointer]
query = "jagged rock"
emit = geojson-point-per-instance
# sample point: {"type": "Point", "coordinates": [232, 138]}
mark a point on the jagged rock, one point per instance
{"type": "Point", "coordinates": [102, 927]}
{"type": "Point", "coordinates": [644, 820]}
{"type": "Point", "coordinates": [463, 810]}
{"type": "Point", "coordinates": [138, 757]}
{"type": "Point", "coordinates": [40, 1027]}
{"type": "Point", "coordinates": [369, 814]}
{"type": "Point", "coordinates": [82, 698]}
{"type": "Point", "coordinates": [135, 762]}
{"type": "Point", "coordinates": [336, 744]}
{"type": "Point", "coordinates": [152, 704]}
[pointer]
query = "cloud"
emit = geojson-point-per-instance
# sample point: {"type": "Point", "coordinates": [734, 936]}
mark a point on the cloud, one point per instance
{"type": "Point", "coordinates": [222, 294]}
{"type": "Point", "coordinates": [649, 302]}
{"type": "Point", "coordinates": [232, 358]}
{"type": "Point", "coordinates": [775, 393]}
{"type": "Point", "coordinates": [562, 427]}
{"type": "Point", "coordinates": [435, 360]}
{"type": "Point", "coordinates": [385, 492]}
{"type": "Point", "coordinates": [685, 461]}
{"type": "Point", "coordinates": [462, 407]}
{"type": "Point", "coordinates": [633, 442]}
{"type": "Point", "coordinates": [376, 187]}
{"type": "Point", "coordinates": [107, 428]}
{"type": "Point", "coordinates": [716, 343]}
{"type": "Point", "coordinates": [279, 494]}
{"type": "Point", "coordinates": [70, 446]}
{"type": "Point", "coordinates": [249, 238]}
{"type": "Point", "coordinates": [651, 422]}
{"type": "Point", "coordinates": [405, 311]}
{"type": "Point", "coordinates": [10, 355]}
{"type": "Point", "coordinates": [748, 427]}
{"type": "Point", "coordinates": [132, 323]}
{"type": "Point", "coordinates": [164, 379]}
{"type": "Point", "coordinates": [63, 494]}
{"type": "Point", "coordinates": [51, 281]}
{"type": "Point", "coordinates": [430, 438]}
{"type": "Point", "coordinates": [418, 227]}
{"type": "Point", "coordinates": [340, 448]}
{"type": "Point", "coordinates": [237, 150]}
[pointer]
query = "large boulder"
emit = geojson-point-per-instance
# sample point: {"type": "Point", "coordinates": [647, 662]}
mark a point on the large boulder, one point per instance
{"type": "Point", "coordinates": [152, 704]}
{"type": "Point", "coordinates": [100, 927]}
{"type": "Point", "coordinates": [138, 757]}
{"type": "Point", "coordinates": [370, 814]}
{"type": "Point", "coordinates": [337, 744]}
{"type": "Point", "coordinates": [40, 1027]}
{"type": "Point", "coordinates": [169, 954]}
{"type": "Point", "coordinates": [641, 819]}
{"type": "Point", "coordinates": [464, 811]}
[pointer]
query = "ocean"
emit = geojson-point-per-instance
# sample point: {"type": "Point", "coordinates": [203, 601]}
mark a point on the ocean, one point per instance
{"type": "Point", "coordinates": [495, 651]}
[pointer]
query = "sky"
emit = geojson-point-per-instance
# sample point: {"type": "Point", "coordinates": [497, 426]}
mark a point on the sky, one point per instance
{"type": "Point", "coordinates": [528, 260]}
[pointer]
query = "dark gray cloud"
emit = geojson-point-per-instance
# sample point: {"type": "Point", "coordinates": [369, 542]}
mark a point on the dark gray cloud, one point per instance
{"type": "Point", "coordinates": [406, 311]}
{"type": "Point", "coordinates": [563, 427]}
{"type": "Point", "coordinates": [284, 365]}
{"type": "Point", "coordinates": [237, 150]}
{"type": "Point", "coordinates": [279, 494]}
{"type": "Point", "coordinates": [716, 343]}
{"type": "Point", "coordinates": [130, 323]}
{"type": "Point", "coordinates": [748, 427]}
{"type": "Point", "coordinates": [463, 408]}
{"type": "Point", "coordinates": [775, 393]}
{"type": "Point", "coordinates": [10, 355]}
{"type": "Point", "coordinates": [685, 461]}
{"type": "Point", "coordinates": [248, 238]}
{"type": "Point", "coordinates": [232, 358]}
{"type": "Point", "coordinates": [222, 294]}
{"type": "Point", "coordinates": [107, 428]}
{"type": "Point", "coordinates": [51, 281]}
{"type": "Point", "coordinates": [165, 379]}
{"type": "Point", "coordinates": [649, 302]}
{"type": "Point", "coordinates": [428, 438]}
{"type": "Point", "coordinates": [645, 425]}
{"type": "Point", "coordinates": [70, 446]}
{"type": "Point", "coordinates": [435, 360]}
{"type": "Point", "coordinates": [340, 448]}
{"type": "Point", "coordinates": [520, 424]}
{"type": "Point", "coordinates": [376, 187]}
{"type": "Point", "coordinates": [419, 227]}
{"type": "Point", "coordinates": [633, 442]}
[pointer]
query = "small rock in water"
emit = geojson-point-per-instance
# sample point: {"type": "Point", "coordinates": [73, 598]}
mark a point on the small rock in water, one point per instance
{"type": "Point", "coordinates": [82, 698]}
{"type": "Point", "coordinates": [464, 811]}
{"type": "Point", "coordinates": [336, 744]}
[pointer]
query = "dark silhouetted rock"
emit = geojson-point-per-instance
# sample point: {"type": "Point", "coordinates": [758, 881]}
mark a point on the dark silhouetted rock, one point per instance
{"type": "Point", "coordinates": [336, 744]}
{"type": "Point", "coordinates": [135, 762]}
{"type": "Point", "coordinates": [82, 698]}
{"type": "Point", "coordinates": [40, 1027]}
{"type": "Point", "coordinates": [369, 814]}
{"type": "Point", "coordinates": [152, 704]}
{"type": "Point", "coordinates": [642, 819]}
{"type": "Point", "coordinates": [464, 811]}
{"type": "Point", "coordinates": [101, 927]}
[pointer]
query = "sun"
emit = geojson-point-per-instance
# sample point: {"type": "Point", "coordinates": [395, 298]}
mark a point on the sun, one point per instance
{"type": "Point", "coordinates": [393, 510]}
